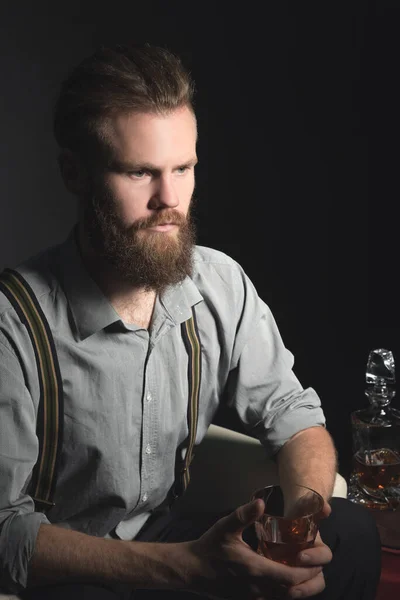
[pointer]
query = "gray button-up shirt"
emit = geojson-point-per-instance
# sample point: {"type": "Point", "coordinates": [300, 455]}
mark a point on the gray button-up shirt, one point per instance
{"type": "Point", "coordinates": [126, 393]}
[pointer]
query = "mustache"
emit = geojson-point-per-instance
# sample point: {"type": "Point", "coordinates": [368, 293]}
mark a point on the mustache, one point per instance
{"type": "Point", "coordinates": [169, 215]}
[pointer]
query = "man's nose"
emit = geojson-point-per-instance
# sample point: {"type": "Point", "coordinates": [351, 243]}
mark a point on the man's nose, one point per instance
{"type": "Point", "coordinates": [165, 195]}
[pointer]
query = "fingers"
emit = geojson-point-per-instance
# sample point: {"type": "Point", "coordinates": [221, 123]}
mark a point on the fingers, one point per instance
{"type": "Point", "coordinates": [308, 588]}
{"type": "Point", "coordinates": [269, 570]}
{"type": "Point", "coordinates": [326, 510]}
{"type": "Point", "coordinates": [274, 581]}
{"type": "Point", "coordinates": [298, 582]}
{"type": "Point", "coordinates": [242, 517]}
{"type": "Point", "coordinates": [319, 554]}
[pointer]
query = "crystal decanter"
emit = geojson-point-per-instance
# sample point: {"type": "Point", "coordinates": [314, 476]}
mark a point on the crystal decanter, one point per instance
{"type": "Point", "coordinates": [375, 478]}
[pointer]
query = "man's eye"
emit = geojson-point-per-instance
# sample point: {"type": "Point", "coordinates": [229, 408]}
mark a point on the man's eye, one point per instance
{"type": "Point", "coordinates": [182, 170]}
{"type": "Point", "coordinates": [138, 174]}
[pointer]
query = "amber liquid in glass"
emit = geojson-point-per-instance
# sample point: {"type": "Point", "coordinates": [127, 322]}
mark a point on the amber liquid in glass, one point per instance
{"type": "Point", "coordinates": [282, 552]}
{"type": "Point", "coordinates": [377, 470]}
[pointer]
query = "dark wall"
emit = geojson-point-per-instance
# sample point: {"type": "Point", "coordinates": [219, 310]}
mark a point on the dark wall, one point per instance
{"type": "Point", "coordinates": [297, 110]}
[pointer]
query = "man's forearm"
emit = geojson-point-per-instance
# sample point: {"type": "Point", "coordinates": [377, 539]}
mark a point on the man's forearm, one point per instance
{"type": "Point", "coordinates": [309, 458]}
{"type": "Point", "coordinates": [62, 555]}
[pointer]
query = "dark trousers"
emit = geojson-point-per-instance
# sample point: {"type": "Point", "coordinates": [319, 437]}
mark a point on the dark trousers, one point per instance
{"type": "Point", "coordinates": [350, 532]}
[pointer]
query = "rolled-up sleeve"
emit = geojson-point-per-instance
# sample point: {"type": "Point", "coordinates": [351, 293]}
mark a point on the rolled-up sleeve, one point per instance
{"type": "Point", "coordinates": [19, 524]}
{"type": "Point", "coordinates": [262, 386]}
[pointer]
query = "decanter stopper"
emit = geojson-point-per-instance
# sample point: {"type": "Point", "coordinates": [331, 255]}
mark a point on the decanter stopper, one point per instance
{"type": "Point", "coordinates": [380, 376]}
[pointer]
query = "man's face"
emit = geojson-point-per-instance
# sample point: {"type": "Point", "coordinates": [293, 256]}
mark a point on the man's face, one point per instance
{"type": "Point", "coordinates": [137, 217]}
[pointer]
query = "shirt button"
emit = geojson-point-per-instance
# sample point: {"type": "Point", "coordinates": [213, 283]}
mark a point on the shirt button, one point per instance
{"type": "Point", "coordinates": [148, 449]}
{"type": "Point", "coordinates": [144, 497]}
{"type": "Point", "coordinates": [149, 397]}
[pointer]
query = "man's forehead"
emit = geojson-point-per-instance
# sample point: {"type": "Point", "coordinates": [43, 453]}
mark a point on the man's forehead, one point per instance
{"type": "Point", "coordinates": [139, 139]}
{"type": "Point", "coordinates": [119, 124]}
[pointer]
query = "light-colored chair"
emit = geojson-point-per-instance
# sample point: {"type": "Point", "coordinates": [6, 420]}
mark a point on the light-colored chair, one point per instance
{"type": "Point", "coordinates": [227, 467]}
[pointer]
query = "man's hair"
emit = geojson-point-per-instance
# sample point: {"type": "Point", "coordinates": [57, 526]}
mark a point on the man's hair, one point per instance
{"type": "Point", "coordinates": [118, 80]}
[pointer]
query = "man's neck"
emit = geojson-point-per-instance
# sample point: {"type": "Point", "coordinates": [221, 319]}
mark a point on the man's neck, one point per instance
{"type": "Point", "coordinates": [135, 305]}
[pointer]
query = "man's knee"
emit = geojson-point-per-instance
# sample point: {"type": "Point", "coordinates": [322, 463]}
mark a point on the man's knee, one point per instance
{"type": "Point", "coordinates": [352, 535]}
{"type": "Point", "coordinates": [351, 523]}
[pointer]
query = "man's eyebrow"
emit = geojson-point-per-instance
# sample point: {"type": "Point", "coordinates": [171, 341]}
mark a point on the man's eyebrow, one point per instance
{"type": "Point", "coordinates": [122, 166]}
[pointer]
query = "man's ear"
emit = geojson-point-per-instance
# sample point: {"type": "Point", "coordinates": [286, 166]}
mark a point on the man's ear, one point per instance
{"type": "Point", "coordinates": [73, 172]}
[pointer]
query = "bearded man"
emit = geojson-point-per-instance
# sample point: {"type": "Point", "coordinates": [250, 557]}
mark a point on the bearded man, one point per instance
{"type": "Point", "coordinates": [151, 334]}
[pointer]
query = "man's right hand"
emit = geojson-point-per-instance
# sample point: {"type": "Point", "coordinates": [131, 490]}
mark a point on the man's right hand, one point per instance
{"type": "Point", "coordinates": [222, 565]}
{"type": "Point", "coordinates": [219, 564]}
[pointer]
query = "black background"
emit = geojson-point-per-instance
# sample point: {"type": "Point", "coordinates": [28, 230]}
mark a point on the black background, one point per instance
{"type": "Point", "coordinates": [297, 104]}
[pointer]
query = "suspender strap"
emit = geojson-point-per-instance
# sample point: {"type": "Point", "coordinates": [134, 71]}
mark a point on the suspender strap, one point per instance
{"type": "Point", "coordinates": [191, 338]}
{"type": "Point", "coordinates": [50, 418]}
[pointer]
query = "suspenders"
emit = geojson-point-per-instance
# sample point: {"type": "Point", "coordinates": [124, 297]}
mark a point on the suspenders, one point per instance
{"type": "Point", "coordinates": [50, 418]}
{"type": "Point", "coordinates": [191, 339]}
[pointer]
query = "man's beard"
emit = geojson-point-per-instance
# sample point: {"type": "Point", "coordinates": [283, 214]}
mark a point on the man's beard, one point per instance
{"type": "Point", "coordinates": [148, 259]}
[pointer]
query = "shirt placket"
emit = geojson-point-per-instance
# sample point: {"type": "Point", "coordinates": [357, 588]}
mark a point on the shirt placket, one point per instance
{"type": "Point", "coordinates": [149, 429]}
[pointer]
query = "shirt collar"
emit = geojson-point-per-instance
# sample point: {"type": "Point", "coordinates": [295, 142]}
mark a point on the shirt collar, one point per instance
{"type": "Point", "coordinates": [177, 301]}
{"type": "Point", "coordinates": [90, 308]}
